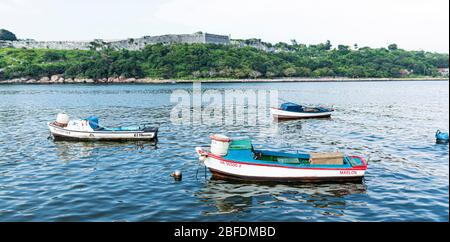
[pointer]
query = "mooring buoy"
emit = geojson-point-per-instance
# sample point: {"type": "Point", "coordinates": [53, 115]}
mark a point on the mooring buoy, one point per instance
{"type": "Point", "coordinates": [177, 175]}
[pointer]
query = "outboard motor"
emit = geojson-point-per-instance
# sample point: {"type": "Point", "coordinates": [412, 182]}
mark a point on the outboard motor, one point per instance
{"type": "Point", "coordinates": [62, 119]}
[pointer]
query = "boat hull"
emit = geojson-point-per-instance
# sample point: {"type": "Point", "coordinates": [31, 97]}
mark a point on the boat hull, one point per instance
{"type": "Point", "coordinates": [227, 176]}
{"type": "Point", "coordinates": [237, 170]}
{"type": "Point", "coordinates": [281, 114]}
{"type": "Point", "coordinates": [60, 133]}
{"type": "Point", "coordinates": [442, 141]}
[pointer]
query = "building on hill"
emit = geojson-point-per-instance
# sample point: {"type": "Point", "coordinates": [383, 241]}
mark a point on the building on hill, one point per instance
{"type": "Point", "coordinates": [255, 43]}
{"type": "Point", "coordinates": [140, 43]}
{"type": "Point", "coordinates": [129, 44]}
{"type": "Point", "coordinates": [443, 71]}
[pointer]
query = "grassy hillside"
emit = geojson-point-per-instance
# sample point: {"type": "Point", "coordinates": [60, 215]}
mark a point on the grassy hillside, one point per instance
{"type": "Point", "coordinates": [219, 61]}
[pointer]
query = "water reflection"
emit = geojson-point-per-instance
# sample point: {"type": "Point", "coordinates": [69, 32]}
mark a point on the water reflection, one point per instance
{"type": "Point", "coordinates": [290, 125]}
{"type": "Point", "coordinates": [69, 150]}
{"type": "Point", "coordinates": [238, 197]}
{"type": "Point", "coordinates": [282, 121]}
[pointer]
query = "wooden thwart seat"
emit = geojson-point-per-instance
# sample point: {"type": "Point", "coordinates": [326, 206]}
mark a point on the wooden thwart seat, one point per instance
{"type": "Point", "coordinates": [334, 158]}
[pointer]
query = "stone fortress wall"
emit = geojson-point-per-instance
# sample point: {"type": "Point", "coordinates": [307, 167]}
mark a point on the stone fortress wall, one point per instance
{"type": "Point", "coordinates": [59, 45]}
{"type": "Point", "coordinates": [129, 44]}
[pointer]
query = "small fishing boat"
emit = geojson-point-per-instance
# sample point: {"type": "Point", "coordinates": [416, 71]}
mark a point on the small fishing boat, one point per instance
{"type": "Point", "coordinates": [441, 137]}
{"type": "Point", "coordinates": [89, 130]}
{"type": "Point", "coordinates": [237, 159]}
{"type": "Point", "coordinates": [294, 111]}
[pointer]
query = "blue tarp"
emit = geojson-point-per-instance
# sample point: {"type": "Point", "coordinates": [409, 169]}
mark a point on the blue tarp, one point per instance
{"type": "Point", "coordinates": [131, 128]}
{"type": "Point", "coordinates": [292, 107]}
{"type": "Point", "coordinates": [441, 135]}
{"type": "Point", "coordinates": [93, 122]}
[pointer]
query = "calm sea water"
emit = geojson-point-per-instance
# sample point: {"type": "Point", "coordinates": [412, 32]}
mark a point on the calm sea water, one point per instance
{"type": "Point", "coordinates": [393, 123]}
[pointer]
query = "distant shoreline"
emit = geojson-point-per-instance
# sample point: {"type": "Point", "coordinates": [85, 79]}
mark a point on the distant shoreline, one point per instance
{"type": "Point", "coordinates": [61, 80]}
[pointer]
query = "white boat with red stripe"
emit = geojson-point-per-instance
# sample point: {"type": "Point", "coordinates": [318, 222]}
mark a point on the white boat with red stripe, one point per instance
{"type": "Point", "coordinates": [237, 159]}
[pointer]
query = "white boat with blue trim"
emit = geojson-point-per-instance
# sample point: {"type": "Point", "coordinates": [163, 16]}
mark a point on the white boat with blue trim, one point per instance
{"type": "Point", "coordinates": [295, 111]}
{"type": "Point", "coordinates": [89, 130]}
{"type": "Point", "coordinates": [237, 159]}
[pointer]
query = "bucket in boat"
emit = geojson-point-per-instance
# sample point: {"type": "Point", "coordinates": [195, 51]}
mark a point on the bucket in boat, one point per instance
{"type": "Point", "coordinates": [62, 118]}
{"type": "Point", "coordinates": [219, 144]}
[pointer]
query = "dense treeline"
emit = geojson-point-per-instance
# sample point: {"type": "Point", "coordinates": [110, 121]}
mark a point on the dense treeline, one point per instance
{"type": "Point", "coordinates": [220, 61]}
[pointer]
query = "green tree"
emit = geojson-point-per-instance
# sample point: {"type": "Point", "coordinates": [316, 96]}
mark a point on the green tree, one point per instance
{"type": "Point", "coordinates": [343, 48]}
{"type": "Point", "coordinates": [328, 45]}
{"type": "Point", "coordinates": [323, 72]}
{"type": "Point", "coordinates": [303, 72]}
{"type": "Point", "coordinates": [290, 72]}
{"type": "Point", "coordinates": [392, 47]}
{"type": "Point", "coordinates": [211, 61]}
{"type": "Point", "coordinates": [7, 35]}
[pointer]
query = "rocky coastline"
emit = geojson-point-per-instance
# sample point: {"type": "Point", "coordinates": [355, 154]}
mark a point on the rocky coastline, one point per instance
{"type": "Point", "coordinates": [59, 79]}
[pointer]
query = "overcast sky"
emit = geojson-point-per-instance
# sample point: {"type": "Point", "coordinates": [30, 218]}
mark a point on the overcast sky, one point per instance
{"type": "Point", "coordinates": [412, 24]}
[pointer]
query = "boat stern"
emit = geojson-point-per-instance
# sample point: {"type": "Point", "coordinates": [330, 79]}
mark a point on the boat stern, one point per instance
{"type": "Point", "coordinates": [358, 162]}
